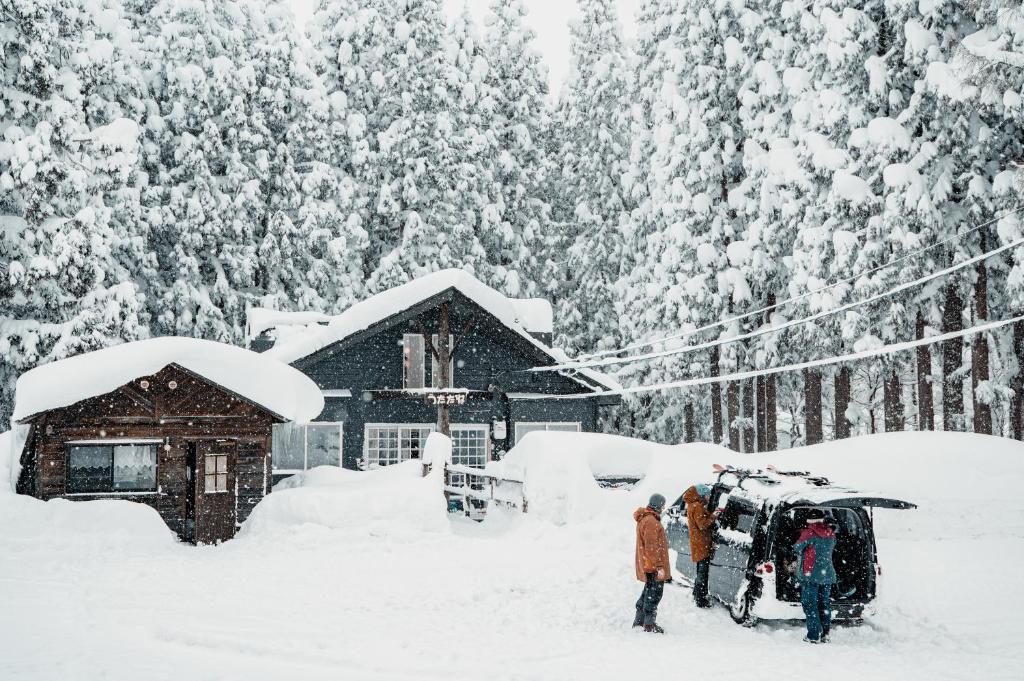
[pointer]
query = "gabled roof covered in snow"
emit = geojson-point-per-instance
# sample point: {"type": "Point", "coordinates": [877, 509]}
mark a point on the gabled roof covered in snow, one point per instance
{"type": "Point", "coordinates": [524, 317]}
{"type": "Point", "coordinates": [262, 380]}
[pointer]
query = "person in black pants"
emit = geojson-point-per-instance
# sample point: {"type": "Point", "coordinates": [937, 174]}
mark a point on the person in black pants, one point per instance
{"type": "Point", "coordinates": [701, 524]}
{"type": "Point", "coordinates": [652, 563]}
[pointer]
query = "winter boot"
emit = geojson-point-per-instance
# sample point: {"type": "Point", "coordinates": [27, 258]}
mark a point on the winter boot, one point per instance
{"type": "Point", "coordinates": [653, 629]}
{"type": "Point", "coordinates": [807, 639]}
{"type": "Point", "coordinates": [638, 621]}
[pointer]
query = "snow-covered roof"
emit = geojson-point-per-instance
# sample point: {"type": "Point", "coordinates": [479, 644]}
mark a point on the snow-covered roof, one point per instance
{"type": "Point", "coordinates": [256, 377]}
{"type": "Point", "coordinates": [260, 319]}
{"type": "Point", "coordinates": [521, 316]}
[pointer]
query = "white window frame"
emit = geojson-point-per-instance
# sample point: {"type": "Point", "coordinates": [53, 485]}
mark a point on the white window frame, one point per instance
{"type": "Point", "coordinates": [578, 424]}
{"type": "Point", "coordinates": [305, 446]}
{"type": "Point", "coordinates": [434, 365]}
{"type": "Point", "coordinates": [432, 427]}
{"type": "Point", "coordinates": [366, 439]}
{"type": "Point", "coordinates": [423, 362]}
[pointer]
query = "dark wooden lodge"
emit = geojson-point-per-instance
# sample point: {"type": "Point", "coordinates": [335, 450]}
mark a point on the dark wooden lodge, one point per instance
{"type": "Point", "coordinates": [193, 450]}
{"type": "Point", "coordinates": [383, 385]}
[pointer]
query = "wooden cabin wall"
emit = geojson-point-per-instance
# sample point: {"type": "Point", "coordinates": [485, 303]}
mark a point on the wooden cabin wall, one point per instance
{"type": "Point", "coordinates": [195, 411]}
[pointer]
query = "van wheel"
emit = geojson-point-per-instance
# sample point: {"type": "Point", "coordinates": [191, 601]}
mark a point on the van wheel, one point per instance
{"type": "Point", "coordinates": [741, 611]}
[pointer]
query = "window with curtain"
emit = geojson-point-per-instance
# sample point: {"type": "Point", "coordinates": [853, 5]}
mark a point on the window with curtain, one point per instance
{"type": "Point", "coordinates": [122, 467]}
{"type": "Point", "coordinates": [300, 447]}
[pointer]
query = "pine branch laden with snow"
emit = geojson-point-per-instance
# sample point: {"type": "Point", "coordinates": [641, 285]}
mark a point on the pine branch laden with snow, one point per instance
{"type": "Point", "coordinates": [167, 166]}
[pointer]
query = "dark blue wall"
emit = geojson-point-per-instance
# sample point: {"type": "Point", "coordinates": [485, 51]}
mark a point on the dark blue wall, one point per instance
{"type": "Point", "coordinates": [489, 357]}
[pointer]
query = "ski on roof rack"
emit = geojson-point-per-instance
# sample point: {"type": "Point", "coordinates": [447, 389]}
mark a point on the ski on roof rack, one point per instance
{"type": "Point", "coordinates": [817, 480]}
{"type": "Point", "coordinates": [743, 474]}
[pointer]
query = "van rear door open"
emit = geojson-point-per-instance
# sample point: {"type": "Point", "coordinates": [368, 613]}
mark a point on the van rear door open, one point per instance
{"type": "Point", "coordinates": [865, 501]}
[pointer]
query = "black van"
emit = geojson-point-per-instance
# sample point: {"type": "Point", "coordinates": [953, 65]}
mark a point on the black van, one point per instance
{"type": "Point", "coordinates": [753, 565]}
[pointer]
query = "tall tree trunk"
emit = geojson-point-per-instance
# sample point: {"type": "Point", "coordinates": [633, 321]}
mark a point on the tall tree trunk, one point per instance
{"type": "Point", "coordinates": [812, 406]}
{"type": "Point", "coordinates": [952, 354]}
{"type": "Point", "coordinates": [771, 440]}
{"type": "Point", "coordinates": [979, 347]}
{"type": "Point", "coordinates": [689, 434]}
{"type": "Point", "coordinates": [760, 386]}
{"type": "Point", "coordinates": [716, 399]}
{"type": "Point", "coordinates": [925, 396]}
{"type": "Point", "coordinates": [444, 366]}
{"type": "Point", "coordinates": [749, 444]}
{"type": "Point", "coordinates": [893, 405]}
{"type": "Point", "coordinates": [1017, 403]}
{"type": "Point", "coordinates": [842, 390]}
{"type": "Point", "coordinates": [732, 400]}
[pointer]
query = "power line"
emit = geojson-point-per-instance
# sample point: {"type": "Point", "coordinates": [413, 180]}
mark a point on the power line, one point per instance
{"type": "Point", "coordinates": [789, 324]}
{"type": "Point", "coordinates": [743, 375]}
{"type": "Point", "coordinates": [807, 294]}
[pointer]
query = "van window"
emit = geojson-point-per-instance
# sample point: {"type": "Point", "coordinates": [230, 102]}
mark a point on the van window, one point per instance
{"type": "Point", "coordinates": [739, 515]}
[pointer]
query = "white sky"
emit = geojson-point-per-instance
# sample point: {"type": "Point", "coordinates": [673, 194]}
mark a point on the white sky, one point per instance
{"type": "Point", "coordinates": [549, 18]}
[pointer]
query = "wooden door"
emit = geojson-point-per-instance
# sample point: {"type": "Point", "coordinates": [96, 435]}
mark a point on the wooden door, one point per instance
{"type": "Point", "coordinates": [215, 491]}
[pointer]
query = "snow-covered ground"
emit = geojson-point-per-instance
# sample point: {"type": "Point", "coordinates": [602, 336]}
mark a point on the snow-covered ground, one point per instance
{"type": "Point", "coordinates": [361, 576]}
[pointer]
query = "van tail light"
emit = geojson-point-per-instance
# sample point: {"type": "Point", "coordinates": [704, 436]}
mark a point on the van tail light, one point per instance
{"type": "Point", "coordinates": [878, 570]}
{"type": "Point", "coordinates": [765, 568]}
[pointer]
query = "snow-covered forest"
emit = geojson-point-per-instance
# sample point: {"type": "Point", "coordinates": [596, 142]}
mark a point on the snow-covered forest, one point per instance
{"type": "Point", "coordinates": [166, 164]}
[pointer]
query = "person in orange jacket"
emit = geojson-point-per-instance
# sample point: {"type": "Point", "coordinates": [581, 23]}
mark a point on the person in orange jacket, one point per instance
{"type": "Point", "coordinates": [701, 523]}
{"type": "Point", "coordinates": [652, 562]}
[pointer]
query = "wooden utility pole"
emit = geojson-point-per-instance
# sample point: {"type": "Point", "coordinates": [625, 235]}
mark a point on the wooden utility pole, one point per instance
{"type": "Point", "coordinates": [842, 391]}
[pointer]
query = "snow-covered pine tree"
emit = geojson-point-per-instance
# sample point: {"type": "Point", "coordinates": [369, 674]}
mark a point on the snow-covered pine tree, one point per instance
{"type": "Point", "coordinates": [204, 148]}
{"type": "Point", "coordinates": [68, 252]}
{"type": "Point", "coordinates": [416, 150]}
{"type": "Point", "coordinates": [592, 118]}
{"type": "Point", "coordinates": [312, 243]}
{"type": "Point", "coordinates": [520, 243]}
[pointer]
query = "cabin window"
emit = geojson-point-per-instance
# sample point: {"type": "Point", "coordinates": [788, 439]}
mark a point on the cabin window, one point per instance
{"type": "Point", "coordinates": [415, 355]}
{"type": "Point", "coordinates": [391, 444]}
{"type": "Point", "coordinates": [388, 444]}
{"type": "Point", "coordinates": [111, 468]}
{"type": "Point", "coordinates": [216, 471]}
{"type": "Point", "coordinates": [469, 448]}
{"type": "Point", "coordinates": [297, 448]}
{"type": "Point", "coordinates": [413, 361]}
{"type": "Point", "coordinates": [435, 368]}
{"type": "Point", "coordinates": [566, 426]}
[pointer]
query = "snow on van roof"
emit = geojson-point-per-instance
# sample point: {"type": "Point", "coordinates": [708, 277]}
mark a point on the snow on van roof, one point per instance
{"type": "Point", "coordinates": [263, 380]}
{"type": "Point", "coordinates": [791, 488]}
{"type": "Point", "coordinates": [521, 316]}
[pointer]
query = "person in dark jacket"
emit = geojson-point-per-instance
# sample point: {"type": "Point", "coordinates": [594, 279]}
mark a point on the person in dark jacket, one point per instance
{"type": "Point", "coordinates": [817, 574]}
{"type": "Point", "coordinates": [652, 562]}
{"type": "Point", "coordinates": [701, 523]}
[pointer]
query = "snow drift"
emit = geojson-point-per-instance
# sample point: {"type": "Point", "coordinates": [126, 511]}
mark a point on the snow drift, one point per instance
{"type": "Point", "coordinates": [395, 500]}
{"type": "Point", "coordinates": [559, 469]}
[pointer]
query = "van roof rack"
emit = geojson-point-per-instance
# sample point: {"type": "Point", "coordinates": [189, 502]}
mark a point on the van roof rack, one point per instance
{"type": "Point", "coordinates": [816, 480]}
{"type": "Point", "coordinates": [744, 474]}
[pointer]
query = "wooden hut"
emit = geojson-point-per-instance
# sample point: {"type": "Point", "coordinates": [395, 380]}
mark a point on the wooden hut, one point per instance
{"type": "Point", "coordinates": [179, 424]}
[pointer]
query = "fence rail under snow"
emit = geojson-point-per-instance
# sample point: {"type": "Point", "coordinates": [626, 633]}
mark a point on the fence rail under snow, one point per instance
{"type": "Point", "coordinates": [473, 484]}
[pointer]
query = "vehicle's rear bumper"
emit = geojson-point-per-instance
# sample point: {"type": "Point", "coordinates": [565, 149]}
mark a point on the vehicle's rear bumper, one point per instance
{"type": "Point", "coordinates": [772, 609]}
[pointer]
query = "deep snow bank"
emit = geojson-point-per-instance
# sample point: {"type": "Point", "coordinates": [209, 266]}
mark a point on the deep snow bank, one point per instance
{"type": "Point", "coordinates": [958, 478]}
{"type": "Point", "coordinates": [83, 525]}
{"type": "Point", "coordinates": [394, 499]}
